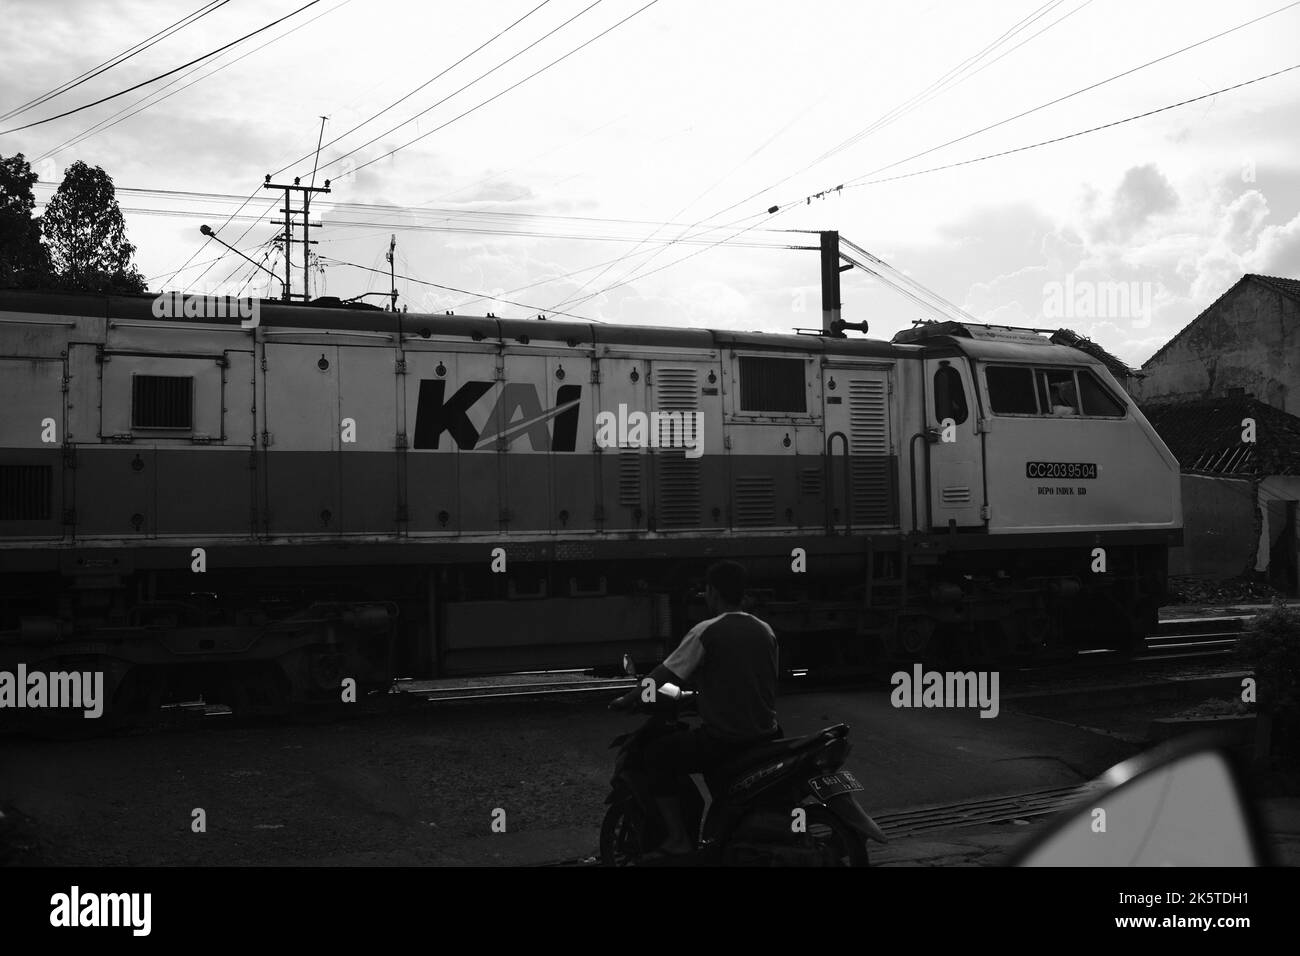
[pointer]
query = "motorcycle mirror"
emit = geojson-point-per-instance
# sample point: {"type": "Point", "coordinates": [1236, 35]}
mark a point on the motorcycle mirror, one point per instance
{"type": "Point", "coordinates": [629, 665]}
{"type": "Point", "coordinates": [1183, 805]}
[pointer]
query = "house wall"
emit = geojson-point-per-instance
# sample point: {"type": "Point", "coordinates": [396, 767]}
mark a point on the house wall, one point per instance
{"type": "Point", "coordinates": [1275, 492]}
{"type": "Point", "coordinates": [1250, 339]}
{"type": "Point", "coordinates": [1220, 528]}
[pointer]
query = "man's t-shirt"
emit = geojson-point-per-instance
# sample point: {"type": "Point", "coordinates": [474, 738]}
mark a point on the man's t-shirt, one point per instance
{"type": "Point", "coordinates": [732, 660]}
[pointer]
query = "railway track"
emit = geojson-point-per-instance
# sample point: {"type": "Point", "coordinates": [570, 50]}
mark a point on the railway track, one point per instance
{"type": "Point", "coordinates": [943, 817]}
{"type": "Point", "coordinates": [1179, 639]}
{"type": "Point", "coordinates": [1175, 639]}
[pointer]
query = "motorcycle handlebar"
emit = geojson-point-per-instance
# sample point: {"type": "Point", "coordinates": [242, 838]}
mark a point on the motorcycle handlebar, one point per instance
{"type": "Point", "coordinates": [666, 696]}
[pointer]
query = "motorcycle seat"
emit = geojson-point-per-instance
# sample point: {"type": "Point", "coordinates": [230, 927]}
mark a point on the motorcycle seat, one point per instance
{"type": "Point", "coordinates": [774, 750]}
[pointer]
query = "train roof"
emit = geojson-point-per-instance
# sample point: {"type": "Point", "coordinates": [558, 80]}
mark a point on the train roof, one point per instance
{"type": "Point", "coordinates": [332, 315]}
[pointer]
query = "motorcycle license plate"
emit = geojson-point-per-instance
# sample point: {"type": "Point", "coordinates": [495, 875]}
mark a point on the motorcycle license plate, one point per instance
{"type": "Point", "coordinates": [832, 785]}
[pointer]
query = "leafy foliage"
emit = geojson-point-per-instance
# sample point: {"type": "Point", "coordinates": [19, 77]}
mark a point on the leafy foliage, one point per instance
{"type": "Point", "coordinates": [86, 234]}
{"type": "Point", "coordinates": [24, 261]}
{"type": "Point", "coordinates": [1272, 644]}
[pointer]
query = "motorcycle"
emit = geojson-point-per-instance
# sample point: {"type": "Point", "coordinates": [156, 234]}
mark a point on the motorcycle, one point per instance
{"type": "Point", "coordinates": [783, 802]}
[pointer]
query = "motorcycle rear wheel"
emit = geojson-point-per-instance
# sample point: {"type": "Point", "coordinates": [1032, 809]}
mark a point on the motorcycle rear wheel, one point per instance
{"type": "Point", "coordinates": [623, 834]}
{"type": "Point", "coordinates": [839, 843]}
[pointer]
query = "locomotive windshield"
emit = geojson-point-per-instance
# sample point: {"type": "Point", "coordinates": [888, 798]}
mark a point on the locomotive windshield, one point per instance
{"type": "Point", "coordinates": [1049, 392]}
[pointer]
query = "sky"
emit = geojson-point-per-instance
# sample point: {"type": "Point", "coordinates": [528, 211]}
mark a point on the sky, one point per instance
{"type": "Point", "coordinates": [629, 182]}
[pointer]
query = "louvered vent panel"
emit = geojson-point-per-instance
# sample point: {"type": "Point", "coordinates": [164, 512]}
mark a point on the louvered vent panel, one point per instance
{"type": "Point", "coordinates": [629, 478]}
{"type": "Point", "coordinates": [869, 444]}
{"type": "Point", "coordinates": [755, 500]}
{"type": "Point", "coordinates": [677, 398]}
{"type": "Point", "coordinates": [162, 401]}
{"type": "Point", "coordinates": [810, 482]}
{"type": "Point", "coordinates": [677, 389]}
{"type": "Point", "coordinates": [679, 490]}
{"type": "Point", "coordinates": [25, 492]}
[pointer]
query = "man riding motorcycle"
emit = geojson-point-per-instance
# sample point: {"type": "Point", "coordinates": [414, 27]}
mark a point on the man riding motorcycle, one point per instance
{"type": "Point", "coordinates": [731, 659]}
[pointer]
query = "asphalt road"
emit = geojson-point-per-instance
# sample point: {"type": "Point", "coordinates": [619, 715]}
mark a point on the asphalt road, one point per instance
{"type": "Point", "coordinates": [424, 788]}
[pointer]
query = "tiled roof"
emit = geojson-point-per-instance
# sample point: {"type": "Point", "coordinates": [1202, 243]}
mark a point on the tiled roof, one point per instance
{"type": "Point", "coordinates": [1290, 287]}
{"type": "Point", "coordinates": [1205, 436]}
{"type": "Point", "coordinates": [1287, 287]}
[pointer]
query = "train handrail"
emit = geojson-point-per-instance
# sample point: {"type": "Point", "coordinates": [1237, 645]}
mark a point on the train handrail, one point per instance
{"type": "Point", "coordinates": [830, 483]}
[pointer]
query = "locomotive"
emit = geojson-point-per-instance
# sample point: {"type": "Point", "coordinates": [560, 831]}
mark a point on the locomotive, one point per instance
{"type": "Point", "coordinates": [260, 511]}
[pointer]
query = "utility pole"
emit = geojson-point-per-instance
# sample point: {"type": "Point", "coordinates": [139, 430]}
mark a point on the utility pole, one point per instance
{"type": "Point", "coordinates": [290, 224]}
{"type": "Point", "coordinates": [831, 269]}
{"type": "Point", "coordinates": [392, 270]}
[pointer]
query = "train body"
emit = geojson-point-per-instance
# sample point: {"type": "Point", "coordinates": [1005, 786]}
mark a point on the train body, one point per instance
{"type": "Point", "coordinates": [205, 504]}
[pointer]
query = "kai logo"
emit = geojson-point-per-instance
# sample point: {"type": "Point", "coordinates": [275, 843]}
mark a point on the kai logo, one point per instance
{"type": "Point", "coordinates": [518, 411]}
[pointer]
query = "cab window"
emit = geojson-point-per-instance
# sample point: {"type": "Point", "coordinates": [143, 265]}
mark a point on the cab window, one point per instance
{"type": "Point", "coordinates": [1011, 389]}
{"type": "Point", "coordinates": [1097, 400]}
{"type": "Point", "coordinates": [1050, 392]}
{"type": "Point", "coordinates": [949, 396]}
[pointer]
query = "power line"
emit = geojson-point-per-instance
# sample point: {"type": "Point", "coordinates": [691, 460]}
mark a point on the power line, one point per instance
{"type": "Point", "coordinates": [949, 80]}
{"type": "Point", "coordinates": [448, 288]}
{"type": "Point", "coordinates": [1058, 139]}
{"type": "Point", "coordinates": [119, 58]}
{"type": "Point", "coordinates": [427, 82]}
{"type": "Point", "coordinates": [476, 79]}
{"type": "Point", "coordinates": [727, 175]}
{"type": "Point", "coordinates": [779, 210]}
{"type": "Point", "coordinates": [619, 258]}
{"type": "Point", "coordinates": [417, 227]}
{"type": "Point", "coordinates": [953, 77]}
{"type": "Point", "coordinates": [229, 219]}
{"type": "Point", "coordinates": [502, 93]}
{"type": "Point", "coordinates": [155, 79]}
{"type": "Point", "coordinates": [444, 213]}
{"type": "Point", "coordinates": [109, 122]}
{"type": "Point", "coordinates": [1061, 99]}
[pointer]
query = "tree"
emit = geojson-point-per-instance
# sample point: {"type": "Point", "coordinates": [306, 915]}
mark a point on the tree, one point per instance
{"type": "Point", "coordinates": [24, 261]}
{"type": "Point", "coordinates": [86, 234]}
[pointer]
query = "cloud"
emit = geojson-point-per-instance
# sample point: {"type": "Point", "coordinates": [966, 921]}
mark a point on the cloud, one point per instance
{"type": "Point", "coordinates": [1142, 193]}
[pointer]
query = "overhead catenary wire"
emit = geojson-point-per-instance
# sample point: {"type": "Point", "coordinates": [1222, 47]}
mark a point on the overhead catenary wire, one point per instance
{"type": "Point", "coordinates": [497, 96]}
{"type": "Point", "coordinates": [245, 233]}
{"type": "Point", "coordinates": [154, 98]}
{"type": "Point", "coordinates": [779, 208]}
{"type": "Point", "coordinates": [448, 288]}
{"type": "Point", "coordinates": [1078, 92]}
{"type": "Point", "coordinates": [394, 226]}
{"type": "Point", "coordinates": [634, 276]}
{"type": "Point", "coordinates": [426, 83]}
{"type": "Point", "coordinates": [118, 59]}
{"type": "Point", "coordinates": [953, 76]}
{"type": "Point", "coordinates": [441, 212]}
{"type": "Point", "coordinates": [864, 181]}
{"type": "Point", "coordinates": [160, 76]}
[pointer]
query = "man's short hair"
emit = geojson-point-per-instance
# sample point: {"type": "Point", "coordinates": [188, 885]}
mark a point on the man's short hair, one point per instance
{"type": "Point", "coordinates": [728, 579]}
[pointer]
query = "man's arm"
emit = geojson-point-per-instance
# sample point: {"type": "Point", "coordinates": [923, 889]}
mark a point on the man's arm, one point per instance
{"type": "Point", "coordinates": [676, 668]}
